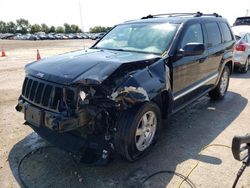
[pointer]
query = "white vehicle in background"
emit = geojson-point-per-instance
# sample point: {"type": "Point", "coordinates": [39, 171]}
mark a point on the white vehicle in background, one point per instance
{"type": "Point", "coordinates": [242, 48]}
{"type": "Point", "coordinates": [242, 21]}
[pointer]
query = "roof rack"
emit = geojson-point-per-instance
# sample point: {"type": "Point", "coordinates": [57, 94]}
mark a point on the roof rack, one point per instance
{"type": "Point", "coordinates": [197, 14]}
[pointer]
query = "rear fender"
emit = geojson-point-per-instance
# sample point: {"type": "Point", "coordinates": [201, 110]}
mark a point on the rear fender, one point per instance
{"type": "Point", "coordinates": [227, 59]}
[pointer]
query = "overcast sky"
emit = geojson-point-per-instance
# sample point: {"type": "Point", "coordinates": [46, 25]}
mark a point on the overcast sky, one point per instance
{"type": "Point", "coordinates": [111, 12]}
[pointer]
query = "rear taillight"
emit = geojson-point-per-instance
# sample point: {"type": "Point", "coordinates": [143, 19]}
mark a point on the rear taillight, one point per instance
{"type": "Point", "coordinates": [241, 46]}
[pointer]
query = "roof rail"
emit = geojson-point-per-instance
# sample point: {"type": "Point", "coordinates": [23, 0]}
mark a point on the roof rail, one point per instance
{"type": "Point", "coordinates": [197, 14]}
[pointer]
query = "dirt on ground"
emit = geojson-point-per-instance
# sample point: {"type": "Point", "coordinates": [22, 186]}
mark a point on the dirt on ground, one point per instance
{"type": "Point", "coordinates": [183, 136]}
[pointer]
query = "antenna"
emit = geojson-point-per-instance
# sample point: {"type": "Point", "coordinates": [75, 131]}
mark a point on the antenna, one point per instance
{"type": "Point", "coordinates": [82, 28]}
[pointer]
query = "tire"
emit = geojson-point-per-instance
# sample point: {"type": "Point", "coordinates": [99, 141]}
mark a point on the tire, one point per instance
{"type": "Point", "coordinates": [244, 69]}
{"type": "Point", "coordinates": [220, 90]}
{"type": "Point", "coordinates": [129, 145]}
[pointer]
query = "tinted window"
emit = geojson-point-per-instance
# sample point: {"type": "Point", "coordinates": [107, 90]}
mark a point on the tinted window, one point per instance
{"type": "Point", "coordinates": [193, 34]}
{"type": "Point", "coordinates": [237, 37]}
{"type": "Point", "coordinates": [213, 34]}
{"type": "Point", "coordinates": [227, 36]}
{"type": "Point", "coordinates": [242, 21]}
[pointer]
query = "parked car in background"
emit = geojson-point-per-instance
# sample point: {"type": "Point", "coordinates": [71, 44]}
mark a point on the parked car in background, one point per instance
{"type": "Point", "coordinates": [97, 36]}
{"type": "Point", "coordinates": [6, 36]}
{"type": "Point", "coordinates": [242, 21]}
{"type": "Point", "coordinates": [84, 35]}
{"type": "Point", "coordinates": [242, 48]}
{"type": "Point", "coordinates": [43, 36]}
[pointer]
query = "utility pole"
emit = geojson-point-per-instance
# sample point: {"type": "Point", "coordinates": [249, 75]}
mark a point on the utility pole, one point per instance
{"type": "Point", "coordinates": [80, 10]}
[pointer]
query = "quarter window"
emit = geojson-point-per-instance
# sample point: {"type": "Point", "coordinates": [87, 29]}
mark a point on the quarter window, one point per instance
{"type": "Point", "coordinates": [193, 34]}
{"type": "Point", "coordinates": [227, 36]}
{"type": "Point", "coordinates": [213, 34]}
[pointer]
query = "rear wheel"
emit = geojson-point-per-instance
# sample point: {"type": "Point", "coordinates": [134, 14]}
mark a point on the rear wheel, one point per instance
{"type": "Point", "coordinates": [220, 90]}
{"type": "Point", "coordinates": [137, 130]}
{"type": "Point", "coordinates": [244, 69]}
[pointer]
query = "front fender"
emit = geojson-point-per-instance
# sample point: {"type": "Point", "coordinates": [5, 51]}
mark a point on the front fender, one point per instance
{"type": "Point", "coordinates": [143, 85]}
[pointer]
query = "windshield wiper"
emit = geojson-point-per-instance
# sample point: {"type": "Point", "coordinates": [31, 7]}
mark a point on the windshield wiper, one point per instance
{"type": "Point", "coordinates": [116, 49]}
{"type": "Point", "coordinates": [126, 50]}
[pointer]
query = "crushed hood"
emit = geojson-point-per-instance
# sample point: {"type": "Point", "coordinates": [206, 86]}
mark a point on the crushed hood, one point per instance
{"type": "Point", "coordinates": [92, 65]}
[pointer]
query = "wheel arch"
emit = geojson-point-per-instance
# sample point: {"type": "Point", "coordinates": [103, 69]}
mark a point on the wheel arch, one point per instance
{"type": "Point", "coordinates": [230, 65]}
{"type": "Point", "coordinates": [163, 100]}
{"type": "Point", "coordinates": [146, 85]}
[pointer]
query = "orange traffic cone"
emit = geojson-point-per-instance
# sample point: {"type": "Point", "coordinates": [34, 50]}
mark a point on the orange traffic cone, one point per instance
{"type": "Point", "coordinates": [38, 57]}
{"type": "Point", "coordinates": [3, 53]}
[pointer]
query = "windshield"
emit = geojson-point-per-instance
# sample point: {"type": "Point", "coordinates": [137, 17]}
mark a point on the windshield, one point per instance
{"type": "Point", "coordinates": [144, 37]}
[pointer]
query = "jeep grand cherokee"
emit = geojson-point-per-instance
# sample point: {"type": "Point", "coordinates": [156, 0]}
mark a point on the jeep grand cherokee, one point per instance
{"type": "Point", "coordinates": [113, 96]}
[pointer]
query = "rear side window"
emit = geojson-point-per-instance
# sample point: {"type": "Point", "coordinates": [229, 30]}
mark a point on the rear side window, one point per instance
{"type": "Point", "coordinates": [213, 34]}
{"type": "Point", "coordinates": [192, 34]}
{"type": "Point", "coordinates": [226, 33]}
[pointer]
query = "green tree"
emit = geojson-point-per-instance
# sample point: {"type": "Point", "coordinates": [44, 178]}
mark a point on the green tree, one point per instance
{"type": "Point", "coordinates": [99, 29]}
{"type": "Point", "coordinates": [75, 28]}
{"type": "Point", "coordinates": [11, 27]}
{"type": "Point", "coordinates": [108, 29]}
{"type": "Point", "coordinates": [45, 28]}
{"type": "Point", "coordinates": [67, 28]}
{"type": "Point", "coordinates": [52, 29]}
{"type": "Point", "coordinates": [59, 29]}
{"type": "Point", "coordinates": [2, 27]}
{"type": "Point", "coordinates": [35, 28]}
{"type": "Point", "coordinates": [23, 25]}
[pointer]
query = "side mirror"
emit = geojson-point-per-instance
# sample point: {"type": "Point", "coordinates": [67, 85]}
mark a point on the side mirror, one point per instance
{"type": "Point", "coordinates": [192, 49]}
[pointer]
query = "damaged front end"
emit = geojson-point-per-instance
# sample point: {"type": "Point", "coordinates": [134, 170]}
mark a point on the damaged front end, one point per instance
{"type": "Point", "coordinates": [81, 117]}
{"type": "Point", "coordinates": [67, 116]}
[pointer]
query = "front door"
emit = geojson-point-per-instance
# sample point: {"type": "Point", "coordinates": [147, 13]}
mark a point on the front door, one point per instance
{"type": "Point", "coordinates": [187, 69]}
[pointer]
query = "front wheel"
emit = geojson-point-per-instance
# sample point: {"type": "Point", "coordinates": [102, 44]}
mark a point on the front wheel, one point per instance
{"type": "Point", "coordinates": [137, 130]}
{"type": "Point", "coordinates": [220, 90]}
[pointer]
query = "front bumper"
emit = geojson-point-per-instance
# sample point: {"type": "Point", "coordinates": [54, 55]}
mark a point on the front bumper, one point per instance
{"type": "Point", "coordinates": [58, 130]}
{"type": "Point", "coordinates": [55, 121]}
{"type": "Point", "coordinates": [66, 141]}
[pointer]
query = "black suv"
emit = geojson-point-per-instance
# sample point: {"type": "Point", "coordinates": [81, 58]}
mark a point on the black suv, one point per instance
{"type": "Point", "coordinates": [113, 96]}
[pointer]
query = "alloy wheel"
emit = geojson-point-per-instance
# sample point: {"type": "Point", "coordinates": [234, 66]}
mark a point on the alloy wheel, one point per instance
{"type": "Point", "coordinates": [145, 131]}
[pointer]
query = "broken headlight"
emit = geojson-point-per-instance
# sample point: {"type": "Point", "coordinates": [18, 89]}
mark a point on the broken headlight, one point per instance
{"type": "Point", "coordinates": [82, 95]}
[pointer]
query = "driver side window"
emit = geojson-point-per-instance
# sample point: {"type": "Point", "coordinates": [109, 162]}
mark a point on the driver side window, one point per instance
{"type": "Point", "coordinates": [192, 34]}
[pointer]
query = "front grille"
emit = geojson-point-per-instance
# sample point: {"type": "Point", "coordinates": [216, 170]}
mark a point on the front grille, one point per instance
{"type": "Point", "coordinates": [46, 94]}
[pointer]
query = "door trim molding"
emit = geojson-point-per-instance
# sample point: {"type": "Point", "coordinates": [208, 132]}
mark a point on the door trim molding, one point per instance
{"type": "Point", "coordinates": [196, 86]}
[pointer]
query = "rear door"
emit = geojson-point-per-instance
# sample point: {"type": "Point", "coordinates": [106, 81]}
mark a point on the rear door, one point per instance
{"type": "Point", "coordinates": [215, 51]}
